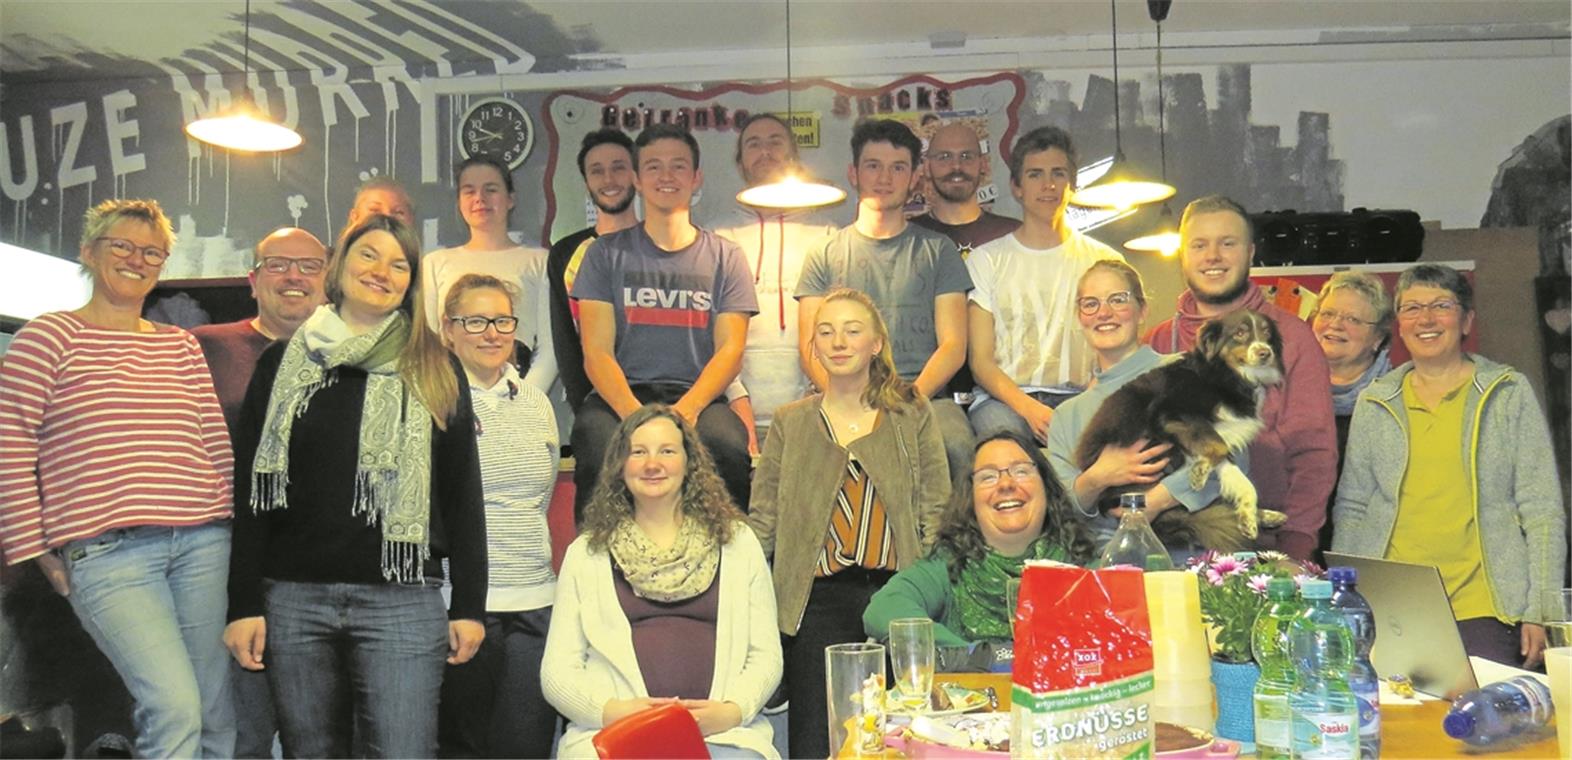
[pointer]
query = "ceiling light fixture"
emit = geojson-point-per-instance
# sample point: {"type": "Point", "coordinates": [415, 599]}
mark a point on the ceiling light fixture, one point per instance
{"type": "Point", "coordinates": [793, 190]}
{"type": "Point", "coordinates": [243, 127]}
{"type": "Point", "coordinates": [1121, 187]}
{"type": "Point", "coordinates": [1164, 238]}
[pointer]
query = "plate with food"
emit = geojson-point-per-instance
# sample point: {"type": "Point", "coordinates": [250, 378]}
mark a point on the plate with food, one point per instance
{"type": "Point", "coordinates": [986, 736]}
{"type": "Point", "coordinates": [943, 699]}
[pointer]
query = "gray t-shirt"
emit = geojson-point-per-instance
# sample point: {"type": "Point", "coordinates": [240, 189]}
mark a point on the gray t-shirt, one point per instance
{"type": "Point", "coordinates": [665, 301]}
{"type": "Point", "coordinates": [902, 274]}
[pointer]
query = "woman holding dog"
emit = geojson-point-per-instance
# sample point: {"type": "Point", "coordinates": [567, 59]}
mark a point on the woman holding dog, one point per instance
{"type": "Point", "coordinates": [1483, 505]}
{"type": "Point", "coordinates": [849, 491]}
{"type": "Point", "coordinates": [1111, 306]}
{"type": "Point", "coordinates": [1008, 509]}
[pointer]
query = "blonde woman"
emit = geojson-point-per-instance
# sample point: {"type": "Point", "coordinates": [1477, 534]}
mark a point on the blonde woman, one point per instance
{"type": "Point", "coordinates": [664, 597]}
{"type": "Point", "coordinates": [850, 490]}
{"type": "Point", "coordinates": [115, 474]}
{"type": "Point", "coordinates": [357, 473]}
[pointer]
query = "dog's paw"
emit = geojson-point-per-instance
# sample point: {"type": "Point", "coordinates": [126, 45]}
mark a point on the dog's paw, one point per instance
{"type": "Point", "coordinates": [1271, 518]}
{"type": "Point", "coordinates": [1237, 489]}
{"type": "Point", "coordinates": [1200, 470]}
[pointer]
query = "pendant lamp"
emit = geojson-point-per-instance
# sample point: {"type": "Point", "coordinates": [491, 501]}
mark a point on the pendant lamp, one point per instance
{"type": "Point", "coordinates": [243, 127]}
{"type": "Point", "coordinates": [1164, 238]}
{"type": "Point", "coordinates": [791, 191]}
{"type": "Point", "coordinates": [1121, 187]}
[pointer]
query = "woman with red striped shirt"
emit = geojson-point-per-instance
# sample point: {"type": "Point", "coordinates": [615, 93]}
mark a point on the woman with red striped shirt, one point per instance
{"type": "Point", "coordinates": [115, 477]}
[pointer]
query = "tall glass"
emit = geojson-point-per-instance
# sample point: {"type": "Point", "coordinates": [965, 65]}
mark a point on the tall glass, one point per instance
{"type": "Point", "coordinates": [1559, 629]}
{"type": "Point", "coordinates": [1558, 664]}
{"type": "Point", "coordinates": [854, 688]}
{"type": "Point", "coordinates": [912, 656]}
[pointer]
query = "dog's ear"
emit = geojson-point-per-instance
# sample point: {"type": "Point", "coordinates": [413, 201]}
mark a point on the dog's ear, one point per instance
{"type": "Point", "coordinates": [1209, 343]}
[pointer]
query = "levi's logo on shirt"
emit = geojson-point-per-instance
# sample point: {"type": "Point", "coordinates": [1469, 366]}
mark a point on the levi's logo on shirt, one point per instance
{"type": "Point", "coordinates": [667, 307]}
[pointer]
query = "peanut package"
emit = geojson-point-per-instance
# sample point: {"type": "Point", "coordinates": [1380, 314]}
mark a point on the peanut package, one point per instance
{"type": "Point", "coordinates": [1083, 664]}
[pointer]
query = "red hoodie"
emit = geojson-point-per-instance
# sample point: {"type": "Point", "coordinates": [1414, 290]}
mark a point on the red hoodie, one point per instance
{"type": "Point", "coordinates": [1293, 462]}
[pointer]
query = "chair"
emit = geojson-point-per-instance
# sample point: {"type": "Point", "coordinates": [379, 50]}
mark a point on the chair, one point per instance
{"type": "Point", "coordinates": [668, 731]}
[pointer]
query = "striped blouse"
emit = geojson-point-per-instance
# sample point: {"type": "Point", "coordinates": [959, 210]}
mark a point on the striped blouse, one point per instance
{"type": "Point", "coordinates": [103, 429]}
{"type": "Point", "coordinates": [859, 528]}
{"type": "Point", "coordinates": [516, 433]}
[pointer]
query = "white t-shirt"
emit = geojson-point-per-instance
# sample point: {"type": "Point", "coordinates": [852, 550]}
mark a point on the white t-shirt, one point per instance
{"type": "Point", "coordinates": [526, 269]}
{"type": "Point", "coordinates": [1037, 341]}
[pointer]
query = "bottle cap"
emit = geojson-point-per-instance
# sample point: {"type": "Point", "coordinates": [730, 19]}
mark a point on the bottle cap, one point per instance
{"type": "Point", "coordinates": [1133, 500]}
{"type": "Point", "coordinates": [1281, 588]}
{"type": "Point", "coordinates": [1342, 574]}
{"type": "Point", "coordinates": [1458, 725]}
{"type": "Point", "coordinates": [1316, 589]}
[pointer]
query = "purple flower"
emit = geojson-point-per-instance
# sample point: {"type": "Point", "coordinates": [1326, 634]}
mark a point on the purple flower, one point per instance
{"type": "Point", "coordinates": [1258, 581]}
{"type": "Point", "coordinates": [1228, 565]}
{"type": "Point", "coordinates": [1213, 577]}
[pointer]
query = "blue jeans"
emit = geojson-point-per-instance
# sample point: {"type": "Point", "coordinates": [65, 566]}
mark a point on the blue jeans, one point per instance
{"type": "Point", "coordinates": [492, 705]}
{"type": "Point", "coordinates": [355, 660]}
{"type": "Point", "coordinates": [990, 415]}
{"type": "Point", "coordinates": [153, 599]}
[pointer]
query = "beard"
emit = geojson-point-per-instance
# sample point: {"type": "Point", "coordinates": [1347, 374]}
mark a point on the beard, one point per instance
{"type": "Point", "coordinates": [1224, 297]}
{"type": "Point", "coordinates": [957, 194]}
{"type": "Point", "coordinates": [615, 208]}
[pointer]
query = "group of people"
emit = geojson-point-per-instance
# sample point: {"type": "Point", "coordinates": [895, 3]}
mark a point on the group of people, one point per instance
{"type": "Point", "coordinates": [248, 565]}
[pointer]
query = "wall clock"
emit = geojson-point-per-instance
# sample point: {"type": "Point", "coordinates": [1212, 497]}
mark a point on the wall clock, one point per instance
{"type": "Point", "coordinates": [497, 127]}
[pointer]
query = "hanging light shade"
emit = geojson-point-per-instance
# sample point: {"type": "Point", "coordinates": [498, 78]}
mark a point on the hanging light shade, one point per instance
{"type": "Point", "coordinates": [243, 127]}
{"type": "Point", "coordinates": [791, 191]}
{"type": "Point", "coordinates": [1163, 239]}
{"type": "Point", "coordinates": [1122, 186]}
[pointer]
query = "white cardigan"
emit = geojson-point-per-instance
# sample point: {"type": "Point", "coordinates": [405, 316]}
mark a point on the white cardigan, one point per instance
{"type": "Point", "coordinates": [589, 657]}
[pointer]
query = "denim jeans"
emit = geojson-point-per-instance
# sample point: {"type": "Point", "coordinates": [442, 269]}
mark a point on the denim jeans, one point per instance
{"type": "Point", "coordinates": [355, 660]}
{"type": "Point", "coordinates": [153, 599]}
{"type": "Point", "coordinates": [255, 725]}
{"type": "Point", "coordinates": [492, 705]}
{"type": "Point", "coordinates": [990, 415]}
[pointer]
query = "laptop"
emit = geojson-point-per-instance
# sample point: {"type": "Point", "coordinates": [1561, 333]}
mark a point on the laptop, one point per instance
{"type": "Point", "coordinates": [1416, 633]}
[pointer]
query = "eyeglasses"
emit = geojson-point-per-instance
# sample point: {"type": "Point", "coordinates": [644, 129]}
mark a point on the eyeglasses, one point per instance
{"type": "Point", "coordinates": [944, 157]}
{"type": "Point", "coordinates": [281, 265]}
{"type": "Point", "coordinates": [1412, 310]}
{"type": "Point", "coordinates": [1120, 301]}
{"type": "Point", "coordinates": [123, 249]}
{"type": "Point", "coordinates": [478, 325]}
{"type": "Point", "coordinates": [988, 477]}
{"type": "Point", "coordinates": [1339, 318]}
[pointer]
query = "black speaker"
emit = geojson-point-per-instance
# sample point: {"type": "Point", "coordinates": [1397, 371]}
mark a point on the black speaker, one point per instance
{"type": "Point", "coordinates": [1361, 236]}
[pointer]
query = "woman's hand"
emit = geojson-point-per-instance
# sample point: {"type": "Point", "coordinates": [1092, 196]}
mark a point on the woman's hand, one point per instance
{"type": "Point", "coordinates": [54, 571]}
{"type": "Point", "coordinates": [246, 638]}
{"type": "Point", "coordinates": [617, 709]}
{"type": "Point", "coordinates": [1124, 465]}
{"type": "Point", "coordinates": [1533, 651]}
{"type": "Point", "coordinates": [464, 637]}
{"type": "Point", "coordinates": [714, 717]}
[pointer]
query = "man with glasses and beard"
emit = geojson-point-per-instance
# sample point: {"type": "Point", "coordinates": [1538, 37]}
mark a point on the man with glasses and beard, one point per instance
{"type": "Point", "coordinates": [955, 164]}
{"type": "Point", "coordinates": [287, 283]}
{"type": "Point", "coordinates": [606, 164]}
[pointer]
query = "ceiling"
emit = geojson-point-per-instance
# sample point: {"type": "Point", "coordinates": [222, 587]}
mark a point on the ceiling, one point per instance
{"type": "Point", "coordinates": [48, 39]}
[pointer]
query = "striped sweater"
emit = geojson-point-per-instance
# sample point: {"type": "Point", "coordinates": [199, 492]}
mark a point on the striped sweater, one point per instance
{"type": "Point", "coordinates": [103, 429]}
{"type": "Point", "coordinates": [516, 433]}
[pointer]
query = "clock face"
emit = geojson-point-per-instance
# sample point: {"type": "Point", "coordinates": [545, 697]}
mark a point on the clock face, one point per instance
{"type": "Point", "coordinates": [497, 127]}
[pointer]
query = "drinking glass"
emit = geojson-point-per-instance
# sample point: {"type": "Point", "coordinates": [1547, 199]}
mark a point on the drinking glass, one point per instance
{"type": "Point", "coordinates": [1558, 664]}
{"type": "Point", "coordinates": [1559, 629]}
{"type": "Point", "coordinates": [854, 689]}
{"type": "Point", "coordinates": [1012, 596]}
{"type": "Point", "coordinates": [912, 655]}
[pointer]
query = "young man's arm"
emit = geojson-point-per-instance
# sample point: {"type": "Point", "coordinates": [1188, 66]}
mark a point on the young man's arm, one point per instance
{"type": "Point", "coordinates": [986, 371]}
{"type": "Point", "coordinates": [598, 334]}
{"type": "Point", "coordinates": [807, 310]}
{"type": "Point", "coordinates": [949, 326]}
{"type": "Point", "coordinates": [731, 334]}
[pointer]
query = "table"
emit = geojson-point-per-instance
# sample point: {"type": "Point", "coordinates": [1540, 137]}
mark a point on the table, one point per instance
{"type": "Point", "coordinates": [1407, 731]}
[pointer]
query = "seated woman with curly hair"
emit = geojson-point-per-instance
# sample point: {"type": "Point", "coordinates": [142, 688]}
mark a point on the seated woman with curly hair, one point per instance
{"type": "Point", "coordinates": [664, 597]}
{"type": "Point", "coordinates": [1009, 509]}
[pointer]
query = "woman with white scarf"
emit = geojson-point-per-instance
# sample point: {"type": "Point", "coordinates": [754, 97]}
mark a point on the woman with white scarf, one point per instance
{"type": "Point", "coordinates": [664, 597]}
{"type": "Point", "coordinates": [356, 472]}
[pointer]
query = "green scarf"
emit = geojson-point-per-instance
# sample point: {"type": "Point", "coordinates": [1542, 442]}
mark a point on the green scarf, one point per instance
{"type": "Point", "coordinates": [393, 475]}
{"type": "Point", "coordinates": [979, 593]}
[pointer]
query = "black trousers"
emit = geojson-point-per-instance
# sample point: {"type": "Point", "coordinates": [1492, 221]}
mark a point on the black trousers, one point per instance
{"type": "Point", "coordinates": [719, 429]}
{"type": "Point", "coordinates": [492, 706]}
{"type": "Point", "coordinates": [833, 616]}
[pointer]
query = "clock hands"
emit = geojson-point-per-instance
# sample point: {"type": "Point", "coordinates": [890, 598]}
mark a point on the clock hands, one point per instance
{"type": "Point", "coordinates": [490, 135]}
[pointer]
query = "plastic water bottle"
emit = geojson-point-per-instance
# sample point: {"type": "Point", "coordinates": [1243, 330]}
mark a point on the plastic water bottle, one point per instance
{"type": "Point", "coordinates": [1325, 712]}
{"type": "Point", "coordinates": [1500, 711]}
{"type": "Point", "coordinates": [1362, 678]}
{"type": "Point", "coordinates": [1269, 645]}
{"type": "Point", "coordinates": [1134, 543]}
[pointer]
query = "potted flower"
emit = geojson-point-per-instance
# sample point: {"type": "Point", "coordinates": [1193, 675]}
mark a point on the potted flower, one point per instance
{"type": "Point", "coordinates": [1233, 592]}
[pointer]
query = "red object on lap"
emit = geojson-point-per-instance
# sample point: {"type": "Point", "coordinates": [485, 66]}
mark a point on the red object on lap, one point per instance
{"type": "Point", "coordinates": [668, 731]}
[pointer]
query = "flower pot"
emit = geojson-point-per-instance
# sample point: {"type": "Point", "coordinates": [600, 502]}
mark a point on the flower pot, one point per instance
{"type": "Point", "coordinates": [1235, 682]}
